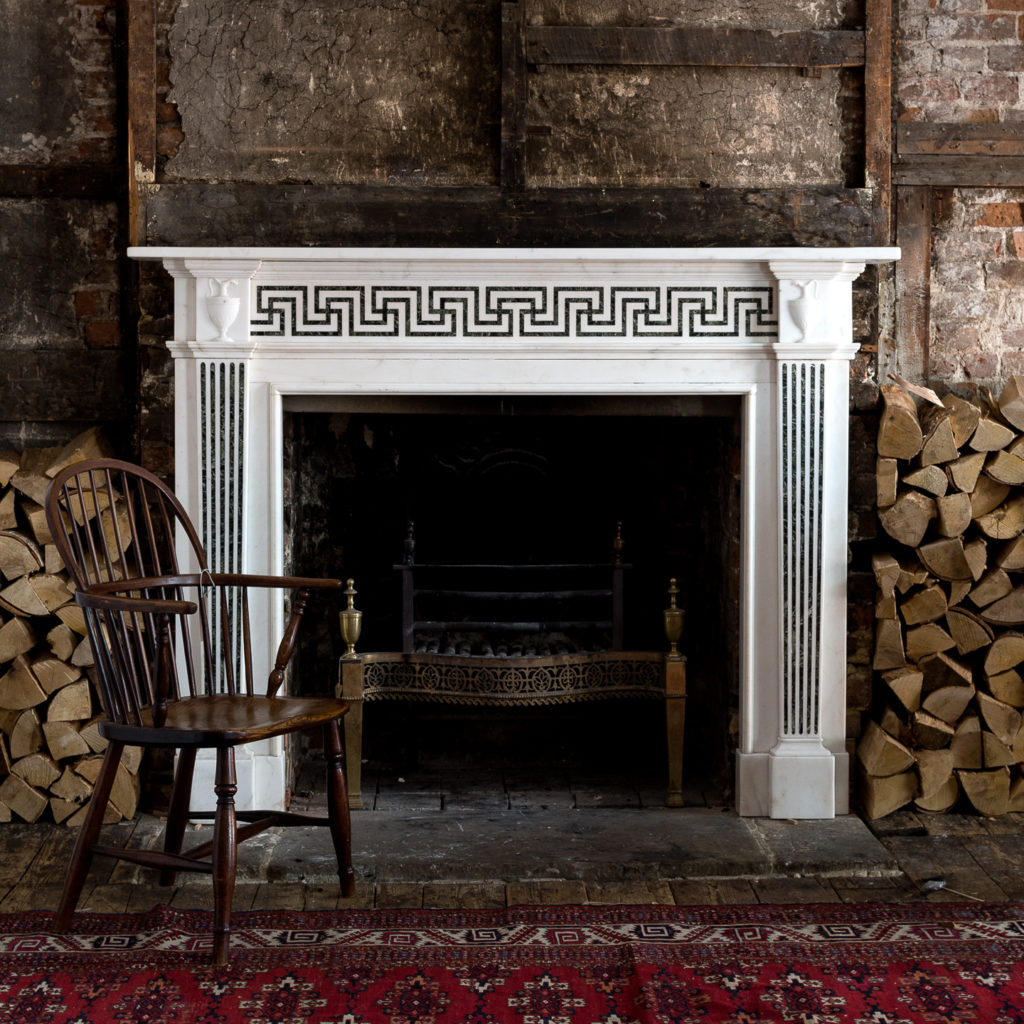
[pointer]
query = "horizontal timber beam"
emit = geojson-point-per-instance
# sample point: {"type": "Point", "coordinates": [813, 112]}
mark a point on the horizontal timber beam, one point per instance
{"type": "Point", "coordinates": [302, 214]}
{"type": "Point", "coordinates": [700, 47]}
{"type": "Point", "coordinates": [967, 171]}
{"type": "Point", "coordinates": [940, 139]}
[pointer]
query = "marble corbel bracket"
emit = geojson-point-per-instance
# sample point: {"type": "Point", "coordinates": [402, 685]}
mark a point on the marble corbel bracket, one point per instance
{"type": "Point", "coordinates": [213, 305]}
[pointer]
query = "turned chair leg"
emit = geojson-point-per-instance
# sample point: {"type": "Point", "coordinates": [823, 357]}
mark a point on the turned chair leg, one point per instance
{"type": "Point", "coordinates": [81, 856]}
{"type": "Point", "coordinates": [177, 814]}
{"type": "Point", "coordinates": [337, 808]}
{"type": "Point", "coordinates": [225, 841]}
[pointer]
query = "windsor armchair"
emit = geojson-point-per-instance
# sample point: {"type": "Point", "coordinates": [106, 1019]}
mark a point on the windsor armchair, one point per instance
{"type": "Point", "coordinates": [165, 644]}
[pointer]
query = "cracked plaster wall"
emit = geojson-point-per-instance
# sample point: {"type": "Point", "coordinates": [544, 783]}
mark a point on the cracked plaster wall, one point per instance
{"type": "Point", "coordinates": [283, 90]}
{"type": "Point", "coordinates": [408, 92]}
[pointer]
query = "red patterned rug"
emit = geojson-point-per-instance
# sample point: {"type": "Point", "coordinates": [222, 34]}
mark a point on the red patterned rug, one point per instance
{"type": "Point", "coordinates": [852, 964]}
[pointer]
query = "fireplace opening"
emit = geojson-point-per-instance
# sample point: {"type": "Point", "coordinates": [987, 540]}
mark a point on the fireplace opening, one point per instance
{"type": "Point", "coordinates": [528, 480]}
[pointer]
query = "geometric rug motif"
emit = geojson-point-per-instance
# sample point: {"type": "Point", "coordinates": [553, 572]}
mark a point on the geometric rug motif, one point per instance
{"type": "Point", "coordinates": [941, 963]}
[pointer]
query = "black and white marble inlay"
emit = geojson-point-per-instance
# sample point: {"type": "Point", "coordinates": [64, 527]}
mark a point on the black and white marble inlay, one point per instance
{"type": "Point", "coordinates": [514, 311]}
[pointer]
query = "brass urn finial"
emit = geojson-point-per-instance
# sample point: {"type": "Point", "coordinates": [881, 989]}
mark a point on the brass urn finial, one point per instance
{"type": "Point", "coordinates": [351, 621]}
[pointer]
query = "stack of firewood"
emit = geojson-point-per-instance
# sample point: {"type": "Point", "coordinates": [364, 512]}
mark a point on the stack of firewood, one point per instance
{"type": "Point", "coordinates": [949, 639]}
{"type": "Point", "coordinates": [50, 746]}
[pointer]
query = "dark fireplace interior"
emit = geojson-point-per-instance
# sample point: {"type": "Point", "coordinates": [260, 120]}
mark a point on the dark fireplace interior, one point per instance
{"type": "Point", "coordinates": [528, 480]}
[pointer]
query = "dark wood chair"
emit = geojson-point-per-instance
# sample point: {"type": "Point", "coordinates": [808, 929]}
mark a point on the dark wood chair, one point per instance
{"type": "Point", "coordinates": [174, 669]}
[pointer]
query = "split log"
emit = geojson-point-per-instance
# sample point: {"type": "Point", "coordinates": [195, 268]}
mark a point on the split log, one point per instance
{"type": "Point", "coordinates": [992, 586]}
{"type": "Point", "coordinates": [881, 754]}
{"type": "Point", "coordinates": [90, 444]}
{"type": "Point", "coordinates": [958, 591]}
{"type": "Point", "coordinates": [124, 794]}
{"type": "Point", "coordinates": [963, 417]}
{"type": "Point", "coordinates": [925, 606]}
{"type": "Point", "coordinates": [931, 733]}
{"type": "Point", "coordinates": [899, 429]}
{"type": "Point", "coordinates": [885, 608]}
{"type": "Point", "coordinates": [1011, 402]}
{"type": "Point", "coordinates": [948, 703]}
{"type": "Point", "coordinates": [946, 559]}
{"type": "Point", "coordinates": [1016, 802]}
{"type": "Point", "coordinates": [1007, 687]}
{"type": "Point", "coordinates": [38, 770]}
{"type": "Point", "coordinates": [111, 816]}
{"type": "Point", "coordinates": [887, 573]}
{"type": "Point", "coordinates": [886, 476]}
{"type": "Point", "coordinates": [988, 791]}
{"type": "Point", "coordinates": [889, 651]}
{"type": "Point", "coordinates": [987, 495]}
{"type": "Point", "coordinates": [953, 512]}
{"type": "Point", "coordinates": [965, 745]}
{"type": "Point", "coordinates": [72, 617]}
{"type": "Point", "coordinates": [929, 479]}
{"type": "Point", "coordinates": [19, 688]}
{"type": "Point", "coordinates": [990, 435]}
{"type": "Point", "coordinates": [72, 787]}
{"type": "Point", "coordinates": [90, 732]}
{"type": "Point", "coordinates": [8, 516]}
{"type": "Point", "coordinates": [907, 519]}
{"type": "Point", "coordinates": [63, 740]}
{"type": "Point", "coordinates": [16, 637]}
{"type": "Point", "coordinates": [1003, 720]}
{"type": "Point", "coordinates": [52, 562]}
{"type": "Point", "coordinates": [968, 630]}
{"type": "Point", "coordinates": [934, 769]}
{"type": "Point", "coordinates": [905, 685]}
{"type": "Point", "coordinates": [1011, 555]}
{"type": "Point", "coordinates": [929, 638]}
{"type": "Point", "coordinates": [9, 463]}
{"type": "Point", "coordinates": [1004, 522]}
{"type": "Point", "coordinates": [1005, 468]}
{"type": "Point", "coordinates": [976, 553]}
{"type": "Point", "coordinates": [71, 704]}
{"type": "Point", "coordinates": [1007, 611]}
{"type": "Point", "coordinates": [939, 670]}
{"type": "Point", "coordinates": [26, 737]}
{"type": "Point", "coordinates": [19, 555]}
{"type": "Point", "coordinates": [912, 574]}
{"type": "Point", "coordinates": [36, 517]}
{"type": "Point", "coordinates": [62, 642]}
{"type": "Point", "coordinates": [883, 795]}
{"type": "Point", "coordinates": [1006, 652]}
{"type": "Point", "coordinates": [942, 799]}
{"type": "Point", "coordinates": [964, 472]}
{"type": "Point", "coordinates": [62, 809]}
{"type": "Point", "coordinates": [52, 673]}
{"type": "Point", "coordinates": [82, 657]}
{"type": "Point", "coordinates": [24, 800]}
{"type": "Point", "coordinates": [994, 752]}
{"type": "Point", "coordinates": [939, 442]}
{"type": "Point", "coordinates": [35, 595]}
{"type": "Point", "coordinates": [30, 478]}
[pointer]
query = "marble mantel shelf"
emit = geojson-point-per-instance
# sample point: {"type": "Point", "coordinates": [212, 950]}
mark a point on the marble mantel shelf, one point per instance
{"type": "Point", "coordinates": [258, 328]}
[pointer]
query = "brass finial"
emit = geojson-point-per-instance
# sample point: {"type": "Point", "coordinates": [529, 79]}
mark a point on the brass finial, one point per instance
{"type": "Point", "coordinates": [351, 621]}
{"type": "Point", "coordinates": [673, 620]}
{"type": "Point", "coordinates": [617, 545]}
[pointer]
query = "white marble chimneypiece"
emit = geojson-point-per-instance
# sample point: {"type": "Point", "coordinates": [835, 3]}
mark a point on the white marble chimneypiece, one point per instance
{"type": "Point", "coordinates": [258, 328]}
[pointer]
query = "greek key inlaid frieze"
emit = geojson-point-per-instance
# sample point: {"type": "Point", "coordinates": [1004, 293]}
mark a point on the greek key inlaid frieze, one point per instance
{"type": "Point", "coordinates": [514, 311]}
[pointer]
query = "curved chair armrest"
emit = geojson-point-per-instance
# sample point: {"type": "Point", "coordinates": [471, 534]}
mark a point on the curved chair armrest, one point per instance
{"type": "Point", "coordinates": [235, 579]}
{"type": "Point", "coordinates": [140, 605]}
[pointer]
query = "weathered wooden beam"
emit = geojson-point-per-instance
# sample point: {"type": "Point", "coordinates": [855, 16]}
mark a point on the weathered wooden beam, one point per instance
{"type": "Point", "coordinates": [914, 214]}
{"type": "Point", "coordinates": [277, 214]}
{"type": "Point", "coordinates": [141, 141]}
{"type": "Point", "coordinates": [878, 111]}
{"type": "Point", "coordinates": [705, 47]}
{"type": "Point", "coordinates": [942, 139]}
{"type": "Point", "coordinates": [513, 94]}
{"type": "Point", "coordinates": [968, 171]}
{"type": "Point", "coordinates": [66, 181]}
